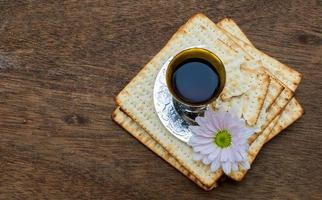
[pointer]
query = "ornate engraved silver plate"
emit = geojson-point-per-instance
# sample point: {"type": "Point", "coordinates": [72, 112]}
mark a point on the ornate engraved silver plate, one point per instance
{"type": "Point", "coordinates": [166, 110]}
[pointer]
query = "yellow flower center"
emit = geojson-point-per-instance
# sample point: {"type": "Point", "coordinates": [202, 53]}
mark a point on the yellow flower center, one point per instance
{"type": "Point", "coordinates": [222, 138]}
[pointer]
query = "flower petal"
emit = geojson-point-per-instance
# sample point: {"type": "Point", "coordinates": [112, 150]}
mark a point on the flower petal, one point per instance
{"type": "Point", "coordinates": [213, 155]}
{"type": "Point", "coordinates": [208, 150]}
{"type": "Point", "coordinates": [206, 132]}
{"type": "Point", "coordinates": [244, 147]}
{"type": "Point", "coordinates": [201, 121]}
{"type": "Point", "coordinates": [243, 155]}
{"type": "Point", "coordinates": [212, 117]}
{"type": "Point", "coordinates": [204, 149]}
{"type": "Point", "coordinates": [221, 120]}
{"type": "Point", "coordinates": [235, 128]}
{"type": "Point", "coordinates": [234, 166]}
{"type": "Point", "coordinates": [226, 166]}
{"type": "Point", "coordinates": [237, 157]}
{"type": "Point", "coordinates": [230, 155]}
{"type": "Point", "coordinates": [215, 165]}
{"type": "Point", "coordinates": [206, 161]}
{"type": "Point", "coordinates": [227, 121]}
{"type": "Point", "coordinates": [245, 164]}
{"type": "Point", "coordinates": [198, 130]}
{"type": "Point", "coordinates": [239, 141]}
{"type": "Point", "coordinates": [224, 155]}
{"type": "Point", "coordinates": [199, 140]}
{"type": "Point", "coordinates": [204, 122]}
{"type": "Point", "coordinates": [247, 132]}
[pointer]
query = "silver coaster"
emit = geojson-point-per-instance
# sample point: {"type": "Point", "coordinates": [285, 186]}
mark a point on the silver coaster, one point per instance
{"type": "Point", "coordinates": [166, 110]}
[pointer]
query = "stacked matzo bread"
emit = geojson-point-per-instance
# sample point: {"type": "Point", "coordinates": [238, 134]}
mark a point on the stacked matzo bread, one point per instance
{"type": "Point", "coordinates": [266, 103]}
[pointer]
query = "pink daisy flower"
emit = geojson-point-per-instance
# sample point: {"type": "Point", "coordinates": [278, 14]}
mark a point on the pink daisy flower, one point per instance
{"type": "Point", "coordinates": [221, 141]}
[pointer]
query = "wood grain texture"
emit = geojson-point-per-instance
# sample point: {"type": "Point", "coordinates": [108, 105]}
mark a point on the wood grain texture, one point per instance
{"type": "Point", "coordinates": [63, 62]}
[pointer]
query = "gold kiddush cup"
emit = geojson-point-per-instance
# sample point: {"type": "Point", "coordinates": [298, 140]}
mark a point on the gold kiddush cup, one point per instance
{"type": "Point", "coordinates": [195, 78]}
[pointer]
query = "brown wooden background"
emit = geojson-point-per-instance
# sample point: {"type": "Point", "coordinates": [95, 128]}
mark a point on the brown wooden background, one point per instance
{"type": "Point", "coordinates": [63, 62]}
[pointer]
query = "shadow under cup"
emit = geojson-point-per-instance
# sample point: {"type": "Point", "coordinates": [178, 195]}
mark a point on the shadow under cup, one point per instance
{"type": "Point", "coordinates": [190, 110]}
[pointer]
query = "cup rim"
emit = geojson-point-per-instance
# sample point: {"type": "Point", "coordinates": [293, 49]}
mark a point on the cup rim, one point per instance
{"type": "Point", "coordinates": [215, 57]}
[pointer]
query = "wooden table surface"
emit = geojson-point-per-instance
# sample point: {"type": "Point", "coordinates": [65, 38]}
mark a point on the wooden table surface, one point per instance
{"type": "Point", "coordinates": [63, 62]}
